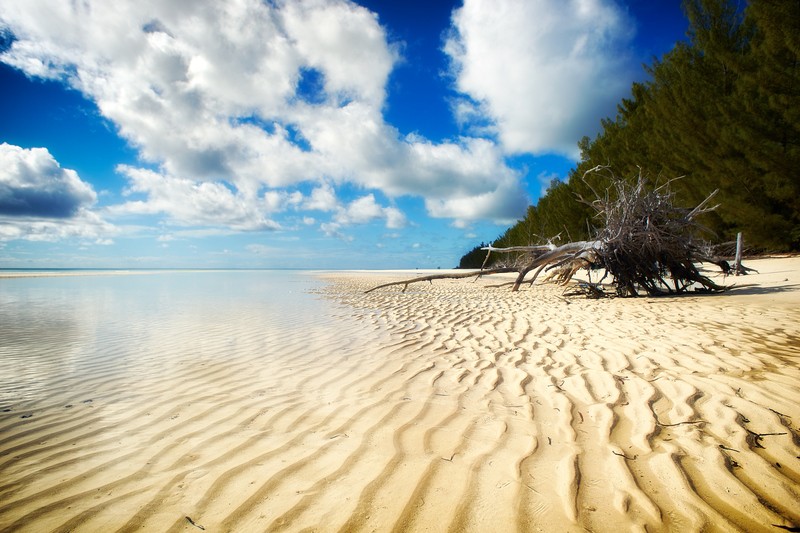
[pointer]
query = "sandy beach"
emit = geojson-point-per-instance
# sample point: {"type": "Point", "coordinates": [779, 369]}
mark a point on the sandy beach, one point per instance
{"type": "Point", "coordinates": [453, 406]}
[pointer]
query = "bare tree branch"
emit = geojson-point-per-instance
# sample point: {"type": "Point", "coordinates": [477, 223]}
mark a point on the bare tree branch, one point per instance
{"type": "Point", "coordinates": [460, 275]}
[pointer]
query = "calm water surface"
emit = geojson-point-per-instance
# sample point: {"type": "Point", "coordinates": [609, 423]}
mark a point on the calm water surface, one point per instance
{"type": "Point", "coordinates": [53, 330]}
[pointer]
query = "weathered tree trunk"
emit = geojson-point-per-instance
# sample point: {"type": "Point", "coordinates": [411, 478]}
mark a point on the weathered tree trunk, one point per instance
{"type": "Point", "coordinates": [737, 263]}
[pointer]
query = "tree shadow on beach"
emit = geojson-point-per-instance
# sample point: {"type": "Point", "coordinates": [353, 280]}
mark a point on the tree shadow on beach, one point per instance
{"type": "Point", "coordinates": [755, 289]}
{"type": "Point", "coordinates": [749, 289]}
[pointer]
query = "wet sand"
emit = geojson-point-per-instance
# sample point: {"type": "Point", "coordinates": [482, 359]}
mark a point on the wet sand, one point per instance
{"type": "Point", "coordinates": [451, 407]}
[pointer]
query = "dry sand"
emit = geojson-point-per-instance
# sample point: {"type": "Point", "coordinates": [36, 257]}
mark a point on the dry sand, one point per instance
{"type": "Point", "coordinates": [450, 407]}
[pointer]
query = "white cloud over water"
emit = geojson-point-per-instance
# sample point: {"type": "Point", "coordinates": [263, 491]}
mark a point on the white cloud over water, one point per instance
{"type": "Point", "coordinates": [366, 209]}
{"type": "Point", "coordinates": [33, 184]}
{"type": "Point", "coordinates": [235, 105]}
{"type": "Point", "coordinates": [41, 201]}
{"type": "Point", "coordinates": [540, 73]}
{"type": "Point", "coordinates": [194, 203]}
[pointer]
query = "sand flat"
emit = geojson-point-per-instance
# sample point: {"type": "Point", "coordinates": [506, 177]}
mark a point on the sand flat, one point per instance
{"type": "Point", "coordinates": [451, 407]}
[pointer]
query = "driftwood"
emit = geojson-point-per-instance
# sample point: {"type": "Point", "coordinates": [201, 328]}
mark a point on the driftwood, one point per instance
{"type": "Point", "coordinates": [644, 243]}
{"type": "Point", "coordinates": [406, 283]}
{"type": "Point", "coordinates": [535, 250]}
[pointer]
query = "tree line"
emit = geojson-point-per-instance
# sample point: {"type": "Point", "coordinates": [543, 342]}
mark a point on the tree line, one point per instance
{"type": "Point", "coordinates": [721, 111]}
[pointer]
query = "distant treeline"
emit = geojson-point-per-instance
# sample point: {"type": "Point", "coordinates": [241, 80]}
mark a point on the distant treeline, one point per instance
{"type": "Point", "coordinates": [721, 110]}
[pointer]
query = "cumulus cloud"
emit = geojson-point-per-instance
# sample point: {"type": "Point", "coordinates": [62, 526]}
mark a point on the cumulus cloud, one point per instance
{"type": "Point", "coordinates": [544, 72]}
{"type": "Point", "coordinates": [322, 198]}
{"type": "Point", "coordinates": [366, 209]}
{"type": "Point", "coordinates": [494, 205]}
{"type": "Point", "coordinates": [33, 184]}
{"type": "Point", "coordinates": [240, 102]}
{"type": "Point", "coordinates": [395, 219]}
{"type": "Point", "coordinates": [332, 229]}
{"type": "Point", "coordinates": [346, 43]}
{"type": "Point", "coordinates": [277, 201]}
{"type": "Point", "coordinates": [205, 88]}
{"type": "Point", "coordinates": [41, 201]}
{"type": "Point", "coordinates": [193, 203]}
{"type": "Point", "coordinates": [86, 226]}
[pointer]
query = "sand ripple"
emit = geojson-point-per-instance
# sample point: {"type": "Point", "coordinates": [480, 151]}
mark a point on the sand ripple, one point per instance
{"type": "Point", "coordinates": [450, 407]}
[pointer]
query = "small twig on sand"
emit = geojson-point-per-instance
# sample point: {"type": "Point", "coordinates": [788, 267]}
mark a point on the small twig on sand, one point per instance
{"type": "Point", "coordinates": [625, 456]}
{"type": "Point", "coordinates": [754, 439]}
{"type": "Point", "coordinates": [195, 524]}
{"type": "Point", "coordinates": [679, 423]}
{"type": "Point", "coordinates": [534, 490]}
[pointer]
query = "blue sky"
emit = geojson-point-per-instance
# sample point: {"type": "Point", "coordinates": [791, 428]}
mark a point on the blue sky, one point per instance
{"type": "Point", "coordinates": [298, 134]}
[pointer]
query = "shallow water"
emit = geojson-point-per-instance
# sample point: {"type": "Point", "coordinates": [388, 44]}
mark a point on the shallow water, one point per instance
{"type": "Point", "coordinates": [53, 330]}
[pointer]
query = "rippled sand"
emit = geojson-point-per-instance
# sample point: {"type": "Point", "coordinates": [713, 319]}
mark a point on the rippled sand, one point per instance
{"type": "Point", "coordinates": [451, 407]}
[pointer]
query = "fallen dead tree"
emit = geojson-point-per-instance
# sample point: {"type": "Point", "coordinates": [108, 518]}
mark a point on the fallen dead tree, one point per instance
{"type": "Point", "coordinates": [645, 243]}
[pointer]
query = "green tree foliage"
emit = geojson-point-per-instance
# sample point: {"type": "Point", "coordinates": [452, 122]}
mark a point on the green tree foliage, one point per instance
{"type": "Point", "coordinates": [723, 111]}
{"type": "Point", "coordinates": [474, 258]}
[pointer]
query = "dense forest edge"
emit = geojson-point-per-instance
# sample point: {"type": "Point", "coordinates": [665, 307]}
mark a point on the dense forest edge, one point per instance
{"type": "Point", "coordinates": [720, 111]}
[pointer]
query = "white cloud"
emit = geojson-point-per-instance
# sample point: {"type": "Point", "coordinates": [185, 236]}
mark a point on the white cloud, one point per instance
{"type": "Point", "coordinates": [87, 226]}
{"type": "Point", "coordinates": [395, 219]}
{"type": "Point", "coordinates": [365, 209]}
{"type": "Point", "coordinates": [493, 205]}
{"type": "Point", "coordinates": [543, 71]}
{"type": "Point", "coordinates": [276, 201]}
{"type": "Point", "coordinates": [41, 201]}
{"type": "Point", "coordinates": [360, 211]}
{"type": "Point", "coordinates": [192, 203]}
{"type": "Point", "coordinates": [323, 198]}
{"type": "Point", "coordinates": [346, 43]}
{"type": "Point", "coordinates": [218, 205]}
{"type": "Point", "coordinates": [33, 184]}
{"type": "Point", "coordinates": [205, 88]}
{"type": "Point", "coordinates": [331, 229]}
{"type": "Point", "coordinates": [372, 155]}
{"type": "Point", "coordinates": [211, 93]}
